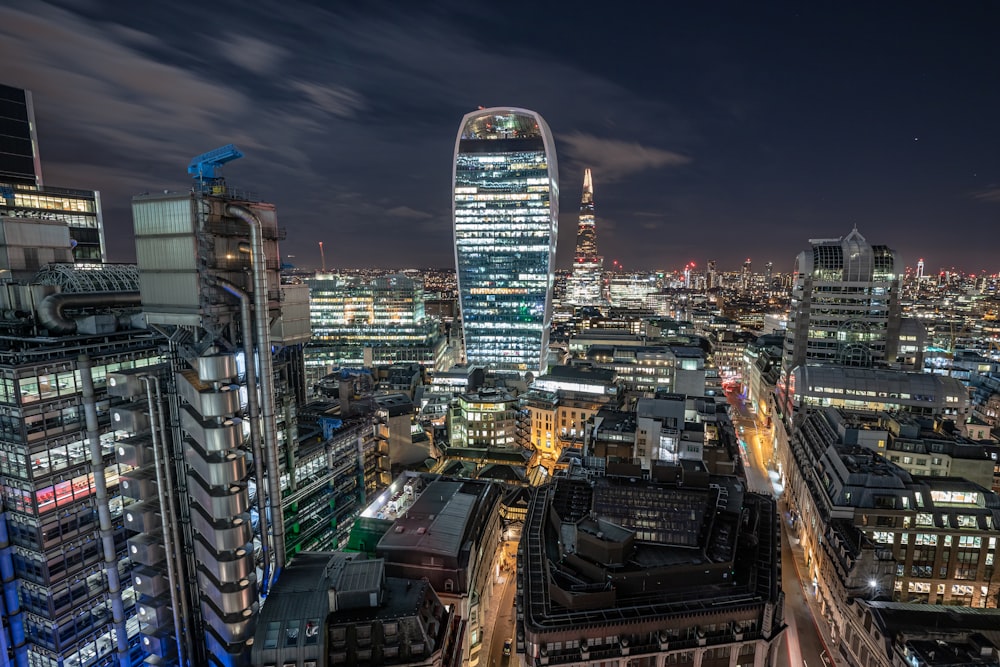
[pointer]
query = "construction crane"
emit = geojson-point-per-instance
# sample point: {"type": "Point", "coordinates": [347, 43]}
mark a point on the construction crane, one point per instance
{"type": "Point", "coordinates": [203, 167]}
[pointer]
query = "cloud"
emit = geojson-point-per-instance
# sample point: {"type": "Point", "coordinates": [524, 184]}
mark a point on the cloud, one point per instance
{"type": "Point", "coordinates": [330, 99]}
{"type": "Point", "coordinates": [130, 103]}
{"type": "Point", "coordinates": [612, 159]}
{"type": "Point", "coordinates": [991, 194]}
{"type": "Point", "coordinates": [407, 212]}
{"type": "Point", "coordinates": [251, 54]}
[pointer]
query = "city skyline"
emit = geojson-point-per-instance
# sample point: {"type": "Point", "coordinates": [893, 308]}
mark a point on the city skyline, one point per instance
{"type": "Point", "coordinates": [774, 124]}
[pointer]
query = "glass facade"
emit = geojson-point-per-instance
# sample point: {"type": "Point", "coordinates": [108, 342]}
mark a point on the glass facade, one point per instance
{"type": "Point", "coordinates": [21, 192]}
{"type": "Point", "coordinates": [585, 283]}
{"type": "Point", "coordinates": [506, 194]}
{"type": "Point", "coordinates": [845, 305]}
{"type": "Point", "coordinates": [79, 209]}
{"type": "Point", "coordinates": [48, 491]}
{"type": "Point", "coordinates": [18, 148]}
{"type": "Point", "coordinates": [385, 315]}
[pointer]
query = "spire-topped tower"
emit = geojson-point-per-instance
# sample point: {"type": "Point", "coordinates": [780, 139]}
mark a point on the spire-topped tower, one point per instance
{"type": "Point", "coordinates": [584, 287]}
{"type": "Point", "coordinates": [586, 235]}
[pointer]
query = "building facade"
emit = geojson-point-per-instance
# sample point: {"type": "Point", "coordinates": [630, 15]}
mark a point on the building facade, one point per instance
{"type": "Point", "coordinates": [617, 569]}
{"type": "Point", "coordinates": [845, 305]}
{"type": "Point", "coordinates": [358, 323]}
{"type": "Point", "coordinates": [560, 403]}
{"type": "Point", "coordinates": [19, 161]}
{"type": "Point", "coordinates": [506, 211]}
{"type": "Point", "coordinates": [22, 194]}
{"type": "Point", "coordinates": [870, 530]}
{"type": "Point", "coordinates": [585, 285]}
{"type": "Point", "coordinates": [68, 597]}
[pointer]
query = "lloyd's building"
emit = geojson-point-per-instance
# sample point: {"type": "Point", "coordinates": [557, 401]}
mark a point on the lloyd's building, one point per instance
{"type": "Point", "coordinates": [506, 209]}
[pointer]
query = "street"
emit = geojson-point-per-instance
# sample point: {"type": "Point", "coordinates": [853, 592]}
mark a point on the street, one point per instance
{"type": "Point", "coordinates": [500, 619]}
{"type": "Point", "coordinates": [804, 642]}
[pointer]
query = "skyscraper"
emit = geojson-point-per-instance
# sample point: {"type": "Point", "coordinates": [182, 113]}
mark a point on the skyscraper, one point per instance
{"type": "Point", "coordinates": [19, 161]}
{"type": "Point", "coordinates": [845, 304]}
{"type": "Point", "coordinates": [585, 283]}
{"type": "Point", "coordinates": [506, 211]}
{"type": "Point", "coordinates": [22, 194]}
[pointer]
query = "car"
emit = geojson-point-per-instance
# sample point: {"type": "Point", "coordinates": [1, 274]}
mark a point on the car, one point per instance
{"type": "Point", "coordinates": [506, 647]}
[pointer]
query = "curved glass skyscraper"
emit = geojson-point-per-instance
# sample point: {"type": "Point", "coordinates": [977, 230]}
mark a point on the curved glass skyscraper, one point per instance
{"type": "Point", "coordinates": [506, 210]}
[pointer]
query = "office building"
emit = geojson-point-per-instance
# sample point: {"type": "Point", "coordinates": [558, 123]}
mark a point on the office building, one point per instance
{"type": "Point", "coordinates": [19, 162]}
{"type": "Point", "coordinates": [360, 323]}
{"type": "Point", "coordinates": [871, 530]}
{"type": "Point", "coordinates": [889, 634]}
{"type": "Point", "coordinates": [506, 212]}
{"type": "Point", "coordinates": [675, 567]}
{"type": "Point", "coordinates": [444, 531]}
{"type": "Point", "coordinates": [206, 486]}
{"type": "Point", "coordinates": [335, 608]}
{"type": "Point", "coordinates": [68, 595]}
{"type": "Point", "coordinates": [845, 305]}
{"type": "Point", "coordinates": [633, 290]}
{"type": "Point", "coordinates": [559, 404]}
{"type": "Point", "coordinates": [22, 195]}
{"type": "Point", "coordinates": [485, 419]}
{"type": "Point", "coordinates": [585, 285]}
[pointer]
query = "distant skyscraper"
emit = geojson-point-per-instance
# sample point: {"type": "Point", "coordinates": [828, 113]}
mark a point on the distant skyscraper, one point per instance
{"type": "Point", "coordinates": [19, 161]}
{"type": "Point", "coordinates": [920, 269]}
{"type": "Point", "coordinates": [21, 192]}
{"type": "Point", "coordinates": [845, 304]}
{"type": "Point", "coordinates": [747, 273]}
{"type": "Point", "coordinates": [710, 275]}
{"type": "Point", "coordinates": [588, 266]}
{"type": "Point", "coordinates": [506, 211]}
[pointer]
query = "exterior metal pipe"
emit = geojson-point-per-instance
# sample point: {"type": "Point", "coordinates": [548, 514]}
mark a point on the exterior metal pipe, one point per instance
{"type": "Point", "coordinates": [259, 267]}
{"type": "Point", "coordinates": [103, 511]}
{"type": "Point", "coordinates": [165, 510]}
{"type": "Point", "coordinates": [50, 310]}
{"type": "Point", "coordinates": [183, 586]}
{"type": "Point", "coordinates": [254, 409]}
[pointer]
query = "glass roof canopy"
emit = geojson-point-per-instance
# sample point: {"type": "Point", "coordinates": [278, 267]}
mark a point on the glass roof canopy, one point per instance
{"type": "Point", "coordinates": [90, 277]}
{"type": "Point", "coordinates": [510, 124]}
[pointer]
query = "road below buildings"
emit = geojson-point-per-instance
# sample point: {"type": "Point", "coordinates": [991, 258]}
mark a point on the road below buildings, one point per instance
{"type": "Point", "coordinates": [805, 646]}
{"type": "Point", "coordinates": [500, 618]}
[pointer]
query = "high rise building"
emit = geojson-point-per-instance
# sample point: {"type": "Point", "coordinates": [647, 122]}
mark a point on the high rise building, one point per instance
{"type": "Point", "coordinates": [212, 452]}
{"type": "Point", "coordinates": [585, 283]}
{"type": "Point", "coordinates": [710, 275]}
{"type": "Point", "coordinates": [506, 211]}
{"type": "Point", "coordinates": [845, 305]}
{"type": "Point", "coordinates": [22, 194]}
{"type": "Point", "coordinates": [747, 275]}
{"type": "Point", "coordinates": [357, 322]}
{"type": "Point", "coordinates": [19, 161]}
{"type": "Point", "coordinates": [68, 597]}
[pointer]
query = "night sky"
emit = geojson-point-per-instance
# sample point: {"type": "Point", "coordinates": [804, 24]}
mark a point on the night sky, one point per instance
{"type": "Point", "coordinates": [714, 130]}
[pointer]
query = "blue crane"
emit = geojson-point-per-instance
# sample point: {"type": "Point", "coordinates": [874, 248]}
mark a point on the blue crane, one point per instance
{"type": "Point", "coordinates": [203, 167]}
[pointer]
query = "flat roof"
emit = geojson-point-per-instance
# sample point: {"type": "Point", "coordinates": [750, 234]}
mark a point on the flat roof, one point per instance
{"type": "Point", "coordinates": [435, 523]}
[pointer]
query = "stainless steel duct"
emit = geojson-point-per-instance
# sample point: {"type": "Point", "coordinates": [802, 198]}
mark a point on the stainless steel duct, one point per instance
{"type": "Point", "coordinates": [50, 310]}
{"type": "Point", "coordinates": [263, 336]}
{"type": "Point", "coordinates": [170, 546]}
{"type": "Point", "coordinates": [254, 409]}
{"type": "Point", "coordinates": [103, 511]}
